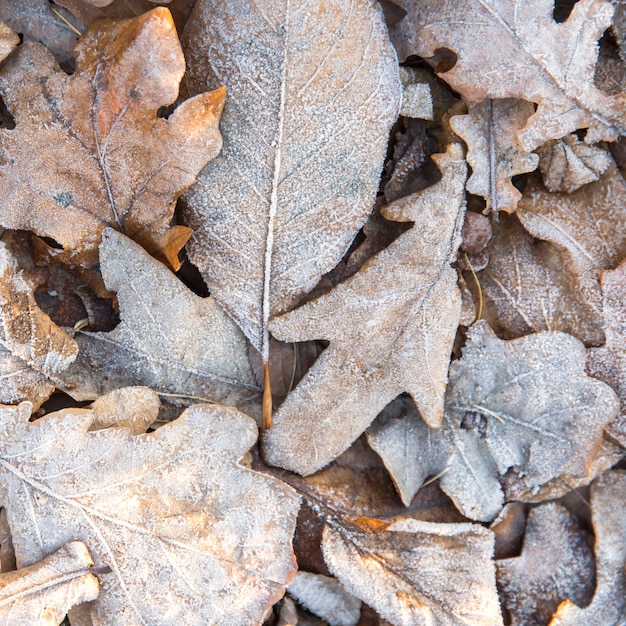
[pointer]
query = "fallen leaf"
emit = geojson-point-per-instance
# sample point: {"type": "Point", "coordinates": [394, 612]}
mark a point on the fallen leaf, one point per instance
{"type": "Point", "coordinates": [305, 135]}
{"type": "Point", "coordinates": [525, 404]}
{"type": "Point", "coordinates": [190, 536]}
{"type": "Point", "coordinates": [135, 408]}
{"type": "Point", "coordinates": [494, 154]}
{"type": "Point", "coordinates": [34, 351]}
{"type": "Point", "coordinates": [527, 56]}
{"type": "Point", "coordinates": [567, 164]}
{"type": "Point", "coordinates": [608, 510]}
{"type": "Point", "coordinates": [8, 41]}
{"type": "Point", "coordinates": [98, 121]}
{"type": "Point", "coordinates": [168, 338]}
{"type": "Point", "coordinates": [41, 594]}
{"type": "Point", "coordinates": [418, 573]}
{"type": "Point", "coordinates": [390, 327]}
{"type": "Point", "coordinates": [417, 99]}
{"type": "Point", "coordinates": [556, 563]}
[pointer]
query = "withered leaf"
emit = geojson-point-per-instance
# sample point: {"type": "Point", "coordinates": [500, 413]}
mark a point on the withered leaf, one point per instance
{"type": "Point", "coordinates": [390, 327]}
{"type": "Point", "coordinates": [418, 573]}
{"type": "Point", "coordinates": [608, 510]}
{"type": "Point", "coordinates": [191, 536]}
{"type": "Point", "coordinates": [34, 351]}
{"type": "Point", "coordinates": [305, 132]}
{"type": "Point", "coordinates": [525, 404]}
{"type": "Point", "coordinates": [528, 56]}
{"type": "Point", "coordinates": [8, 41]}
{"type": "Point", "coordinates": [494, 154]}
{"type": "Point", "coordinates": [168, 338]}
{"type": "Point", "coordinates": [135, 408]}
{"type": "Point", "coordinates": [89, 151]}
{"type": "Point", "coordinates": [556, 563]}
{"type": "Point", "coordinates": [41, 594]}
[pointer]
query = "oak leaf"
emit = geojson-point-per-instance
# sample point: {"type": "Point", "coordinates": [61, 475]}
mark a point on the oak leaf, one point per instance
{"type": "Point", "coordinates": [390, 327]}
{"type": "Point", "coordinates": [34, 351]}
{"type": "Point", "coordinates": [191, 537]}
{"type": "Point", "coordinates": [41, 594]}
{"type": "Point", "coordinates": [515, 49]}
{"type": "Point", "coordinates": [524, 405]}
{"type": "Point", "coordinates": [168, 338]}
{"type": "Point", "coordinates": [305, 133]}
{"type": "Point", "coordinates": [116, 163]}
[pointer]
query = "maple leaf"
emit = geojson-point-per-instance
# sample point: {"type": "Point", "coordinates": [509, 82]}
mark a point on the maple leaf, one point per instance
{"type": "Point", "coordinates": [529, 56]}
{"type": "Point", "coordinates": [33, 350]}
{"type": "Point", "coordinates": [305, 135]}
{"type": "Point", "coordinates": [43, 593]}
{"type": "Point", "coordinates": [525, 404]}
{"type": "Point", "coordinates": [114, 161]}
{"type": "Point", "coordinates": [608, 513]}
{"type": "Point", "coordinates": [190, 536]}
{"type": "Point", "coordinates": [168, 338]}
{"type": "Point", "coordinates": [390, 327]}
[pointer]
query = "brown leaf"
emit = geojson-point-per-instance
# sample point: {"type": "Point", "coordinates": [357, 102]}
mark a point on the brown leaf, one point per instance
{"type": "Point", "coordinates": [41, 594]}
{"type": "Point", "coordinates": [494, 154]}
{"type": "Point", "coordinates": [390, 327]}
{"type": "Point", "coordinates": [418, 573]}
{"type": "Point", "coordinates": [34, 351]}
{"type": "Point", "coordinates": [515, 49]}
{"type": "Point", "coordinates": [556, 564]}
{"type": "Point", "coordinates": [8, 41]}
{"type": "Point", "coordinates": [608, 608]}
{"type": "Point", "coordinates": [190, 535]}
{"type": "Point", "coordinates": [305, 135]}
{"type": "Point", "coordinates": [66, 171]}
{"type": "Point", "coordinates": [525, 404]}
{"type": "Point", "coordinates": [168, 338]}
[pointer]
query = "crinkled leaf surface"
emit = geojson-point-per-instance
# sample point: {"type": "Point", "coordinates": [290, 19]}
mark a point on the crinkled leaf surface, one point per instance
{"type": "Point", "coordinates": [41, 594]}
{"type": "Point", "coordinates": [305, 129]}
{"type": "Point", "coordinates": [88, 150]}
{"type": "Point", "coordinates": [33, 350]}
{"type": "Point", "coordinates": [525, 404]}
{"type": "Point", "coordinates": [191, 536]}
{"type": "Point", "coordinates": [524, 54]}
{"type": "Point", "coordinates": [608, 509]}
{"type": "Point", "coordinates": [418, 573]}
{"type": "Point", "coordinates": [168, 338]}
{"type": "Point", "coordinates": [390, 327]}
{"type": "Point", "coordinates": [490, 131]}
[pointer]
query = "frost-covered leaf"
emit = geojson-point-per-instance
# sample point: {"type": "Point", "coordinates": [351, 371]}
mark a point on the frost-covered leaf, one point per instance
{"type": "Point", "coordinates": [41, 594]}
{"type": "Point", "coordinates": [191, 537]}
{"type": "Point", "coordinates": [89, 151]}
{"type": "Point", "coordinates": [490, 131]}
{"type": "Point", "coordinates": [135, 408]}
{"type": "Point", "coordinates": [390, 327]}
{"type": "Point", "coordinates": [310, 104]}
{"type": "Point", "coordinates": [515, 49]}
{"type": "Point", "coordinates": [567, 164]}
{"type": "Point", "coordinates": [168, 338]}
{"type": "Point", "coordinates": [8, 41]}
{"type": "Point", "coordinates": [418, 573]}
{"type": "Point", "coordinates": [33, 350]}
{"type": "Point", "coordinates": [417, 99]}
{"type": "Point", "coordinates": [524, 404]}
{"type": "Point", "coordinates": [556, 563]}
{"type": "Point", "coordinates": [608, 510]}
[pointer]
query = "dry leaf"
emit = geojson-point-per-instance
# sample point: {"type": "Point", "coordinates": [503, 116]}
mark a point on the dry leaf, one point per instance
{"type": "Point", "coordinates": [418, 573]}
{"type": "Point", "coordinates": [556, 563]}
{"type": "Point", "coordinates": [494, 154]}
{"type": "Point", "coordinates": [8, 41]}
{"type": "Point", "coordinates": [305, 132]}
{"type": "Point", "coordinates": [390, 327]}
{"type": "Point", "coordinates": [515, 49]}
{"type": "Point", "coordinates": [417, 99]}
{"type": "Point", "coordinates": [135, 408]}
{"type": "Point", "coordinates": [34, 351]}
{"type": "Point", "coordinates": [99, 121]}
{"type": "Point", "coordinates": [191, 536]}
{"type": "Point", "coordinates": [567, 164]}
{"type": "Point", "coordinates": [524, 404]}
{"type": "Point", "coordinates": [608, 508]}
{"type": "Point", "coordinates": [41, 594]}
{"type": "Point", "coordinates": [609, 362]}
{"type": "Point", "coordinates": [168, 338]}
